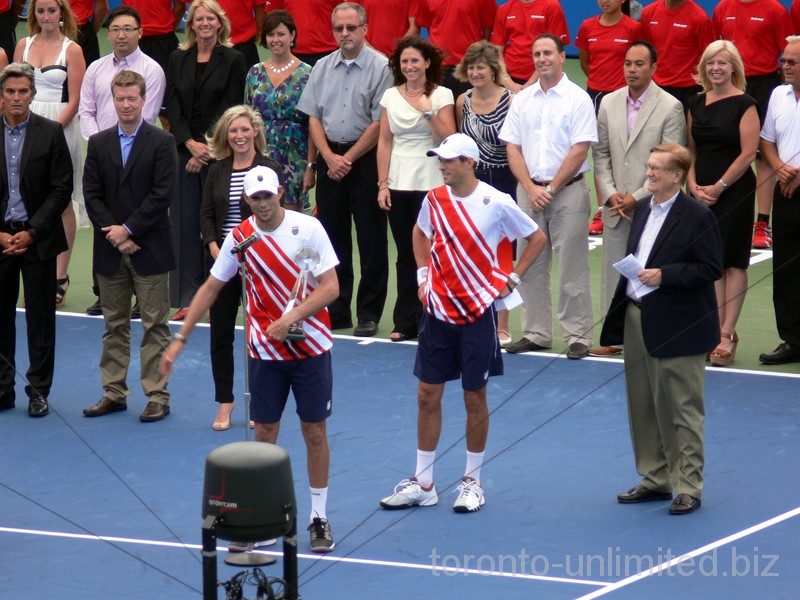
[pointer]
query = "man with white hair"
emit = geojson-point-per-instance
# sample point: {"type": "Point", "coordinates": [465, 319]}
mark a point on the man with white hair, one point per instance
{"type": "Point", "coordinates": [780, 147]}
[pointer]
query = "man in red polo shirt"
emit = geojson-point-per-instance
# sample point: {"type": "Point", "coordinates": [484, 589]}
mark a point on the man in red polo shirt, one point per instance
{"type": "Point", "coordinates": [89, 15]}
{"type": "Point", "coordinates": [246, 17]}
{"type": "Point", "coordinates": [389, 21]}
{"type": "Point", "coordinates": [454, 25]}
{"type": "Point", "coordinates": [160, 19]}
{"type": "Point", "coordinates": [680, 31]}
{"type": "Point", "coordinates": [517, 24]}
{"type": "Point", "coordinates": [314, 34]}
{"type": "Point", "coordinates": [759, 29]}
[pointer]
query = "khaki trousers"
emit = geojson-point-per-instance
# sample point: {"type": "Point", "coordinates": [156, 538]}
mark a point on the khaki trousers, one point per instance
{"type": "Point", "coordinates": [564, 223]}
{"type": "Point", "coordinates": [666, 413]}
{"type": "Point", "coordinates": [116, 292]}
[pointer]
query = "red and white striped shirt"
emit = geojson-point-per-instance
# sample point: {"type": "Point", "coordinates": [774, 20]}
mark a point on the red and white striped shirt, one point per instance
{"type": "Point", "coordinates": [464, 277]}
{"type": "Point", "coordinates": [271, 275]}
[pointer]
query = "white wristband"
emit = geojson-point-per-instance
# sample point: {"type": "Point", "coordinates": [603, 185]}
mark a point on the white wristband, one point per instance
{"type": "Point", "coordinates": [422, 275]}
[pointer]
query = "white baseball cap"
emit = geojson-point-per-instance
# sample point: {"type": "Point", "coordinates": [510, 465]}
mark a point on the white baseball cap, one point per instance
{"type": "Point", "coordinates": [455, 145]}
{"type": "Point", "coordinates": [261, 179]}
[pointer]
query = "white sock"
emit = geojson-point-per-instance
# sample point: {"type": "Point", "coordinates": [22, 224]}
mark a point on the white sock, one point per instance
{"type": "Point", "coordinates": [424, 472]}
{"type": "Point", "coordinates": [474, 463]}
{"type": "Point", "coordinates": [319, 500]}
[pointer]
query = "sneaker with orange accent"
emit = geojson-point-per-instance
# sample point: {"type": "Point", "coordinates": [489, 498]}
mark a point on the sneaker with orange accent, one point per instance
{"type": "Point", "coordinates": [762, 235]}
{"type": "Point", "coordinates": [596, 226]}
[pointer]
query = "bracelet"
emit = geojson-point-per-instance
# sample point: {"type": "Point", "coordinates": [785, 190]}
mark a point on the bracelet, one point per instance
{"type": "Point", "coordinates": [386, 181]}
{"type": "Point", "coordinates": [723, 184]}
{"type": "Point", "coordinates": [180, 338]}
{"type": "Point", "coordinates": [422, 275]}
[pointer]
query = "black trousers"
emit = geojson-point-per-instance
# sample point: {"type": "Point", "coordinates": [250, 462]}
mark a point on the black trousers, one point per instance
{"type": "Point", "coordinates": [223, 331]}
{"type": "Point", "coordinates": [402, 218]}
{"type": "Point", "coordinates": [250, 51]}
{"type": "Point", "coordinates": [786, 265]}
{"type": "Point", "coordinates": [39, 284]}
{"type": "Point", "coordinates": [8, 34]}
{"type": "Point", "coordinates": [87, 40]}
{"type": "Point", "coordinates": [354, 199]}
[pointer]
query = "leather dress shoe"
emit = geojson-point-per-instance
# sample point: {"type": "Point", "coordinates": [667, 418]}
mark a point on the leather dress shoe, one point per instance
{"type": "Point", "coordinates": [104, 407]}
{"type": "Point", "coordinates": [366, 329]}
{"type": "Point", "coordinates": [640, 493]}
{"type": "Point", "coordinates": [154, 411]}
{"type": "Point", "coordinates": [605, 351]}
{"type": "Point", "coordinates": [684, 504]}
{"type": "Point", "coordinates": [95, 309]}
{"type": "Point", "coordinates": [37, 406]}
{"type": "Point", "coordinates": [523, 345]}
{"type": "Point", "coordinates": [781, 355]}
{"type": "Point", "coordinates": [577, 350]}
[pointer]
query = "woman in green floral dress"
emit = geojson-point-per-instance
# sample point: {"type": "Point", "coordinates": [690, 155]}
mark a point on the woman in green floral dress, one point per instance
{"type": "Point", "coordinates": [273, 88]}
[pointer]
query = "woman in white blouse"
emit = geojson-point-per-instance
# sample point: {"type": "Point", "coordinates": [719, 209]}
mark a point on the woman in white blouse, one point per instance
{"type": "Point", "coordinates": [416, 115]}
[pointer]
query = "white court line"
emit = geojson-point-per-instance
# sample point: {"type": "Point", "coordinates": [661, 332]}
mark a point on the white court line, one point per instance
{"type": "Point", "coordinates": [689, 555]}
{"type": "Point", "coordinates": [315, 557]}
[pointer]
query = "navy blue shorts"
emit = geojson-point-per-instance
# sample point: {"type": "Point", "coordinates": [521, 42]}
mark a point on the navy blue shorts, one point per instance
{"type": "Point", "coordinates": [310, 380]}
{"type": "Point", "coordinates": [446, 351]}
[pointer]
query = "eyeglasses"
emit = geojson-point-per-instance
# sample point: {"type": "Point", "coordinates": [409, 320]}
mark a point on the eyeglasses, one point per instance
{"type": "Point", "coordinates": [656, 168]}
{"type": "Point", "coordinates": [350, 28]}
{"type": "Point", "coordinates": [788, 61]}
{"type": "Point", "coordinates": [126, 30]}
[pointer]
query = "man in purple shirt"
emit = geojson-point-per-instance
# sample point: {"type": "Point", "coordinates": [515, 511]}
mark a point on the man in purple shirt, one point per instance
{"type": "Point", "coordinates": [96, 110]}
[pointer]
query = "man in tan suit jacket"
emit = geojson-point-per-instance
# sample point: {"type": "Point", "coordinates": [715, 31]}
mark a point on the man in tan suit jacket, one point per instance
{"type": "Point", "coordinates": [631, 121]}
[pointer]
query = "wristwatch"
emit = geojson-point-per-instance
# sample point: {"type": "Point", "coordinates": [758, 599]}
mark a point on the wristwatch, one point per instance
{"type": "Point", "coordinates": [428, 115]}
{"type": "Point", "coordinates": [548, 189]}
{"type": "Point", "coordinates": [180, 338]}
{"type": "Point", "coordinates": [516, 279]}
{"type": "Point", "coordinates": [312, 166]}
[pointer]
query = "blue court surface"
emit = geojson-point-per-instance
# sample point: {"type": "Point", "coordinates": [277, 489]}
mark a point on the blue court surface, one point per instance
{"type": "Point", "coordinates": [111, 507]}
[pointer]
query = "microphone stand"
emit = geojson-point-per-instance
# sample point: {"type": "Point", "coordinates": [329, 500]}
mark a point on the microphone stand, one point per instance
{"type": "Point", "coordinates": [241, 249]}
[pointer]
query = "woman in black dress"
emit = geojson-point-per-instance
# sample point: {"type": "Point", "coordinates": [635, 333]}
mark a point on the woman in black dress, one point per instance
{"type": "Point", "coordinates": [723, 130]}
{"type": "Point", "coordinates": [205, 77]}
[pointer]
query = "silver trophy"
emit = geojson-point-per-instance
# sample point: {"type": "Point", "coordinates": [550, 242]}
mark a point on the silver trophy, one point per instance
{"type": "Point", "coordinates": [307, 258]}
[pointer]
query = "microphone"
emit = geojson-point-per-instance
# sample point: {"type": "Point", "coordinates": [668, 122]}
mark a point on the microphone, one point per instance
{"type": "Point", "coordinates": [245, 244]}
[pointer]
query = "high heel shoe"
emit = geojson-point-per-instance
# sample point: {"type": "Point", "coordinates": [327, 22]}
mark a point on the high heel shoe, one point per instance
{"type": "Point", "coordinates": [221, 424]}
{"type": "Point", "coordinates": [721, 357]}
{"type": "Point", "coordinates": [62, 285]}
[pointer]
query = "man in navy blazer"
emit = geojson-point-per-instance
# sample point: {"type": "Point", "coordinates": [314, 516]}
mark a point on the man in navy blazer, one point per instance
{"type": "Point", "coordinates": [35, 188]}
{"type": "Point", "coordinates": [668, 332]}
{"type": "Point", "coordinates": [129, 178]}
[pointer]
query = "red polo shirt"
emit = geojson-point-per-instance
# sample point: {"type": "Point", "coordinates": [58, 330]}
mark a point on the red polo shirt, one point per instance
{"type": "Point", "coordinates": [607, 47]}
{"type": "Point", "coordinates": [679, 35]}
{"type": "Point", "coordinates": [82, 9]}
{"type": "Point", "coordinates": [313, 20]}
{"type": "Point", "coordinates": [518, 24]}
{"type": "Point", "coordinates": [156, 15]}
{"type": "Point", "coordinates": [387, 22]}
{"type": "Point", "coordinates": [758, 29]}
{"type": "Point", "coordinates": [455, 24]}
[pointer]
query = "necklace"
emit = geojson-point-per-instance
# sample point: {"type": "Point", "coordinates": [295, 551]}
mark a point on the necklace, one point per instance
{"type": "Point", "coordinates": [285, 67]}
{"type": "Point", "coordinates": [413, 94]}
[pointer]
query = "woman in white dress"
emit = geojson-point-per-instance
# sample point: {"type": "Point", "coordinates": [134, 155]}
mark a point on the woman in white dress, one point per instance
{"type": "Point", "coordinates": [416, 114]}
{"type": "Point", "coordinates": [59, 67]}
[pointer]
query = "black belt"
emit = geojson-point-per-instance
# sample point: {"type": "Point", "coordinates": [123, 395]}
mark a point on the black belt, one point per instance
{"type": "Point", "coordinates": [11, 226]}
{"type": "Point", "coordinates": [575, 179]}
{"type": "Point", "coordinates": [340, 147]}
